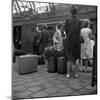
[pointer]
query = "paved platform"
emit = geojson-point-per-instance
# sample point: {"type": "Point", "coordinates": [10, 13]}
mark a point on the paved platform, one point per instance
{"type": "Point", "coordinates": [44, 84]}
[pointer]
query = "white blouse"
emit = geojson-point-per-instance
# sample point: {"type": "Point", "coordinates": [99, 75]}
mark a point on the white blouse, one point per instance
{"type": "Point", "coordinates": [85, 32]}
{"type": "Point", "coordinates": [57, 39]}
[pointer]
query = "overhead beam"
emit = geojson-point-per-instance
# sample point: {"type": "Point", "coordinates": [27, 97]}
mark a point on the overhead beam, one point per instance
{"type": "Point", "coordinates": [18, 6]}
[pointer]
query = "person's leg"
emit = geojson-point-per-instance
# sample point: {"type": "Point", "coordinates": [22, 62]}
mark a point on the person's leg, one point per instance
{"type": "Point", "coordinates": [69, 63]}
{"type": "Point", "coordinates": [76, 67]}
{"type": "Point", "coordinates": [86, 65]}
{"type": "Point", "coordinates": [81, 65]}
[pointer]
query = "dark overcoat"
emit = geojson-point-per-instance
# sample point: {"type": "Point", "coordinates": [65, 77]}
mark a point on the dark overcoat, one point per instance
{"type": "Point", "coordinates": [72, 42]}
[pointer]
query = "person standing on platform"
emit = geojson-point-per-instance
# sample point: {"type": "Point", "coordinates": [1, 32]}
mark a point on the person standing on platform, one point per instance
{"type": "Point", "coordinates": [87, 46]}
{"type": "Point", "coordinates": [44, 39]}
{"type": "Point", "coordinates": [56, 50]}
{"type": "Point", "coordinates": [57, 44]}
{"type": "Point", "coordinates": [72, 42]}
{"type": "Point", "coordinates": [57, 38]}
{"type": "Point", "coordinates": [36, 40]}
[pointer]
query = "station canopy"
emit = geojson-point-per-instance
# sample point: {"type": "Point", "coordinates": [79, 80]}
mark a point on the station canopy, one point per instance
{"type": "Point", "coordinates": [27, 10]}
{"type": "Point", "coordinates": [30, 8]}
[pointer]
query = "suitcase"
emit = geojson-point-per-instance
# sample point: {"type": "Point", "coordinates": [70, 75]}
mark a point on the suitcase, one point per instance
{"type": "Point", "coordinates": [52, 68]}
{"type": "Point", "coordinates": [62, 68]}
{"type": "Point", "coordinates": [27, 64]}
{"type": "Point", "coordinates": [41, 60]}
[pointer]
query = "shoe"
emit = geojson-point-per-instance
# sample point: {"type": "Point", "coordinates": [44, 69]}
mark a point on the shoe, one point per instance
{"type": "Point", "coordinates": [68, 76]}
{"type": "Point", "coordinates": [76, 76]}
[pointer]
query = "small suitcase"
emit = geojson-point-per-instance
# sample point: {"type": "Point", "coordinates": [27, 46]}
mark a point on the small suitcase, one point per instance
{"type": "Point", "coordinates": [62, 68]}
{"type": "Point", "coordinates": [51, 65]}
{"type": "Point", "coordinates": [27, 64]}
{"type": "Point", "coordinates": [41, 60]}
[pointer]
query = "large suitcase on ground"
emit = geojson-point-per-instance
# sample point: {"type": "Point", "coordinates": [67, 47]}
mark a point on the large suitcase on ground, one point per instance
{"type": "Point", "coordinates": [27, 63]}
{"type": "Point", "coordinates": [52, 65]}
{"type": "Point", "coordinates": [62, 68]}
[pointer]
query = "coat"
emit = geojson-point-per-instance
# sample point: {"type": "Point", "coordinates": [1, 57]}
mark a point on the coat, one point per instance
{"type": "Point", "coordinates": [44, 39]}
{"type": "Point", "coordinates": [72, 42]}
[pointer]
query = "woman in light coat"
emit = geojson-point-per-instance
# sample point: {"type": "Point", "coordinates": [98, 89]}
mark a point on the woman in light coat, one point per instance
{"type": "Point", "coordinates": [87, 46]}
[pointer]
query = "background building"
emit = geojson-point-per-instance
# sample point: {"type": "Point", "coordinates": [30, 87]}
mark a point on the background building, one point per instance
{"type": "Point", "coordinates": [26, 15]}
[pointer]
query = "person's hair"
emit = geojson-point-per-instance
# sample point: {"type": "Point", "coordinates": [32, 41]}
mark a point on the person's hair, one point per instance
{"type": "Point", "coordinates": [44, 26]}
{"type": "Point", "coordinates": [59, 26]}
{"type": "Point", "coordinates": [73, 10]}
{"type": "Point", "coordinates": [86, 23]}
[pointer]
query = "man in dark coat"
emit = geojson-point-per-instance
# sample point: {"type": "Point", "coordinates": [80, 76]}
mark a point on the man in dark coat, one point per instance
{"type": "Point", "coordinates": [44, 39]}
{"type": "Point", "coordinates": [72, 42]}
{"type": "Point", "coordinates": [36, 40]}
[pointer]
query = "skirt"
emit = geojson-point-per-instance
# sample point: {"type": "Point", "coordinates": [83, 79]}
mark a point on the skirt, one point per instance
{"type": "Point", "coordinates": [87, 50]}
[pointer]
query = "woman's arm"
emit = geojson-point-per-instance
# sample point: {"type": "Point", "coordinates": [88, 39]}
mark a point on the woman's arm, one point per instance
{"type": "Point", "coordinates": [55, 38]}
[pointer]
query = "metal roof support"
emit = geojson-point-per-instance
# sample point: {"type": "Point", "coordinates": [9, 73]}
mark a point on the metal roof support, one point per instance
{"type": "Point", "coordinates": [15, 7]}
{"type": "Point", "coordinates": [18, 6]}
{"type": "Point", "coordinates": [23, 6]}
{"type": "Point", "coordinates": [31, 7]}
{"type": "Point", "coordinates": [34, 9]}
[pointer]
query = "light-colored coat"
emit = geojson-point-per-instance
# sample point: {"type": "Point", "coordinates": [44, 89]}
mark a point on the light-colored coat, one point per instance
{"type": "Point", "coordinates": [57, 40]}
